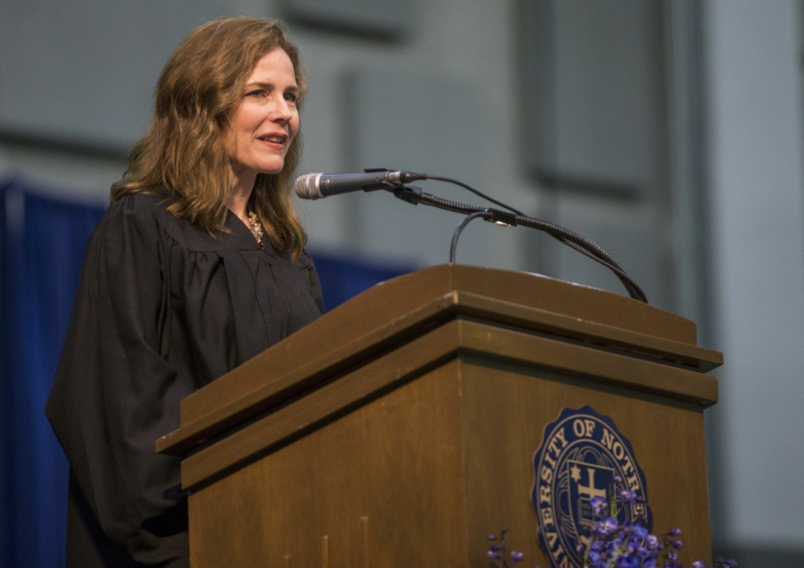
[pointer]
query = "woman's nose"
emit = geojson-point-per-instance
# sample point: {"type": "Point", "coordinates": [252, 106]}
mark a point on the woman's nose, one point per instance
{"type": "Point", "coordinates": [281, 111]}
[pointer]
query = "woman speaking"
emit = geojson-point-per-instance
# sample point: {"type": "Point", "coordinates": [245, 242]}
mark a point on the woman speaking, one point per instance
{"type": "Point", "coordinates": [197, 266]}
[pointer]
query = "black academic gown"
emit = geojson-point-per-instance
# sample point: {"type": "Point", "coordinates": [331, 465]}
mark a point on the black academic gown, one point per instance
{"type": "Point", "coordinates": [162, 309]}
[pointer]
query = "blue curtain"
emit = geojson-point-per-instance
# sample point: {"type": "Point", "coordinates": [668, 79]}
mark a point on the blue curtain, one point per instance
{"type": "Point", "coordinates": [42, 242]}
{"type": "Point", "coordinates": [42, 245]}
{"type": "Point", "coordinates": [343, 278]}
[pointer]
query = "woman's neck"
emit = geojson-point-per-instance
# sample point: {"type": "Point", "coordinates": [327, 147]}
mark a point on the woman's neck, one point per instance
{"type": "Point", "coordinates": [238, 201]}
{"type": "Point", "coordinates": [238, 204]}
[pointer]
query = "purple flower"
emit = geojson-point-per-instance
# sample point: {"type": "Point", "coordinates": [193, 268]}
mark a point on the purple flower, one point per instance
{"type": "Point", "coordinates": [652, 542]}
{"type": "Point", "coordinates": [641, 552]}
{"type": "Point", "coordinates": [598, 505]}
{"type": "Point", "coordinates": [627, 545]}
{"type": "Point", "coordinates": [606, 526]}
{"type": "Point", "coordinates": [516, 557]}
{"type": "Point", "coordinates": [640, 532]}
{"type": "Point", "coordinates": [493, 554]}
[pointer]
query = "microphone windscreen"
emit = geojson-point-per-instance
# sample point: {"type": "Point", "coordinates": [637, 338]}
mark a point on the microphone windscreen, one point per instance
{"type": "Point", "coordinates": [307, 186]}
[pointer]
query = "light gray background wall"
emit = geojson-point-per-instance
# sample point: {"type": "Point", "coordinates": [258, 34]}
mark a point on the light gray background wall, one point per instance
{"type": "Point", "coordinates": [671, 131]}
{"type": "Point", "coordinates": [755, 149]}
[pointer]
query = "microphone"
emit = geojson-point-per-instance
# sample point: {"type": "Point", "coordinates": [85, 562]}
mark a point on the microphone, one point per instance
{"type": "Point", "coordinates": [317, 186]}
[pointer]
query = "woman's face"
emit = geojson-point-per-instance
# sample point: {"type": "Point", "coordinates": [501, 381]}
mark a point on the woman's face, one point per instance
{"type": "Point", "coordinates": [265, 121]}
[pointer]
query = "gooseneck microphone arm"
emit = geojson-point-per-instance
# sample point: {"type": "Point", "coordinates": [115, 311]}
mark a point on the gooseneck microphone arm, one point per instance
{"type": "Point", "coordinates": [583, 245]}
{"type": "Point", "coordinates": [317, 186]}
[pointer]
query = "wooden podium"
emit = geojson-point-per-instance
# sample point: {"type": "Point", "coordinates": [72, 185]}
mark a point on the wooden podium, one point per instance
{"type": "Point", "coordinates": [399, 429]}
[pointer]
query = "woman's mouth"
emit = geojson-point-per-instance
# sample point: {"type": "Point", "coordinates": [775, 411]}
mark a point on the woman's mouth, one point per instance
{"type": "Point", "coordinates": [275, 140]}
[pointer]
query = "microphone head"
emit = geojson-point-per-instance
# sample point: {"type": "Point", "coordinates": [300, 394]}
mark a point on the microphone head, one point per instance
{"type": "Point", "coordinates": [307, 186]}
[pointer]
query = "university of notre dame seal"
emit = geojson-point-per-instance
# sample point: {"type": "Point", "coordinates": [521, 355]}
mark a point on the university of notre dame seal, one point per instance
{"type": "Point", "coordinates": [580, 455]}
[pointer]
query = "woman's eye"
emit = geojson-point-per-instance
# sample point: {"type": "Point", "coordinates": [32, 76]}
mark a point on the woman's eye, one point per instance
{"type": "Point", "coordinates": [291, 97]}
{"type": "Point", "coordinates": [256, 94]}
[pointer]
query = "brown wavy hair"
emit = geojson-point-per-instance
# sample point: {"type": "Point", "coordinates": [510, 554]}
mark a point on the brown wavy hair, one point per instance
{"type": "Point", "coordinates": [196, 95]}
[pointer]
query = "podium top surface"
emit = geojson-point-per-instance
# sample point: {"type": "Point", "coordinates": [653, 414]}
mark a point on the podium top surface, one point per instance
{"type": "Point", "coordinates": [392, 312]}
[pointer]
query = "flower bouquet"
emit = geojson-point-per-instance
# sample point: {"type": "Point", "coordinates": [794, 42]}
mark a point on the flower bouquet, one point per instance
{"type": "Point", "coordinates": [614, 544]}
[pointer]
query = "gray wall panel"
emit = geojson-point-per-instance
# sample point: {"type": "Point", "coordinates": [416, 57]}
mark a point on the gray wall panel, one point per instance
{"type": "Point", "coordinates": [87, 70]}
{"type": "Point", "coordinates": [594, 91]}
{"type": "Point", "coordinates": [386, 17]}
{"type": "Point", "coordinates": [423, 124]}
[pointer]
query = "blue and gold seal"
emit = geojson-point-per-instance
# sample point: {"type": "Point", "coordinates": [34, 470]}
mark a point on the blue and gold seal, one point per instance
{"type": "Point", "coordinates": [581, 454]}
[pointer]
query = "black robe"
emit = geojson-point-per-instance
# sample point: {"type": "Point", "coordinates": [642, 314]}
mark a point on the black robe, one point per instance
{"type": "Point", "coordinates": [162, 309]}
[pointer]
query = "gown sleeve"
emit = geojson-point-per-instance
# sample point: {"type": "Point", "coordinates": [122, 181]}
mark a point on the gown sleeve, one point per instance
{"type": "Point", "coordinates": [114, 393]}
{"type": "Point", "coordinates": [306, 264]}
